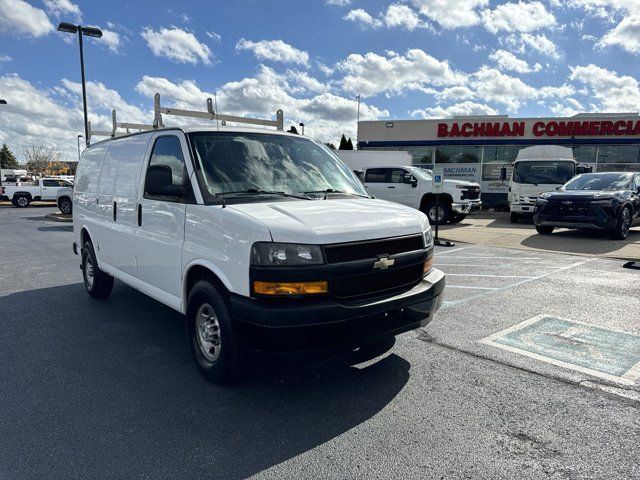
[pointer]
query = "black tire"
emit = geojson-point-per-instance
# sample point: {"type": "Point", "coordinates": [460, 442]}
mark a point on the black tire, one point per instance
{"type": "Point", "coordinates": [213, 335]}
{"type": "Point", "coordinates": [430, 211]}
{"type": "Point", "coordinates": [514, 217]}
{"type": "Point", "coordinates": [457, 218]}
{"type": "Point", "coordinates": [98, 283]}
{"type": "Point", "coordinates": [621, 231]}
{"type": "Point", "coordinates": [22, 201]}
{"type": "Point", "coordinates": [544, 230]}
{"type": "Point", "coordinates": [65, 205]}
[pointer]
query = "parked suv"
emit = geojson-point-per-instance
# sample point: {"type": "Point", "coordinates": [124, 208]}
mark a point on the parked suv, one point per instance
{"type": "Point", "coordinates": [597, 201]}
{"type": "Point", "coordinates": [412, 186]}
{"type": "Point", "coordinates": [265, 240]}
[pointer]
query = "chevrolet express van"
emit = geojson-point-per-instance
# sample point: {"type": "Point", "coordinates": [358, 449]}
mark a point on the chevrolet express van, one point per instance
{"type": "Point", "coordinates": [264, 240]}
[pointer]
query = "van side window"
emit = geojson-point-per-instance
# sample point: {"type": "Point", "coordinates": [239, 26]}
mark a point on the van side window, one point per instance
{"type": "Point", "coordinates": [376, 175]}
{"type": "Point", "coordinates": [167, 151]}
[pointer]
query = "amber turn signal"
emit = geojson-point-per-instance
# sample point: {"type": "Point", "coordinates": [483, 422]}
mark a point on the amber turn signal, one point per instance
{"type": "Point", "coordinates": [290, 288]}
{"type": "Point", "coordinates": [428, 265]}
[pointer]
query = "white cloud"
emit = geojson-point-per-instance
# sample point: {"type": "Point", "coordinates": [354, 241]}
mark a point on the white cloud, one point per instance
{"type": "Point", "coordinates": [518, 17]}
{"type": "Point", "coordinates": [177, 45]}
{"type": "Point", "coordinates": [626, 35]}
{"type": "Point", "coordinates": [494, 86]}
{"type": "Point", "coordinates": [214, 36]}
{"type": "Point", "coordinates": [63, 7]}
{"type": "Point", "coordinates": [458, 92]}
{"type": "Point", "coordinates": [457, 110]}
{"type": "Point", "coordinates": [615, 93]}
{"type": "Point", "coordinates": [372, 73]}
{"type": "Point", "coordinates": [451, 13]}
{"type": "Point", "coordinates": [305, 83]}
{"type": "Point", "coordinates": [541, 44]}
{"type": "Point", "coordinates": [566, 108]}
{"type": "Point", "coordinates": [274, 50]}
{"type": "Point", "coordinates": [507, 61]}
{"type": "Point", "coordinates": [338, 3]}
{"type": "Point", "coordinates": [110, 39]}
{"type": "Point", "coordinates": [396, 15]}
{"type": "Point", "coordinates": [18, 17]}
{"type": "Point", "coordinates": [5, 58]}
{"type": "Point", "coordinates": [363, 18]}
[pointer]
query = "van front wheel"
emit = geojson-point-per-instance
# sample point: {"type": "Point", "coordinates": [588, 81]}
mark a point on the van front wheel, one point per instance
{"type": "Point", "coordinates": [98, 283]}
{"type": "Point", "coordinates": [213, 337]}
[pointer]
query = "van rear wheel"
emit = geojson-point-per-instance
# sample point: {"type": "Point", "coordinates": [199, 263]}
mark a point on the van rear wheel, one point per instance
{"type": "Point", "coordinates": [213, 336]}
{"type": "Point", "coordinates": [97, 283]}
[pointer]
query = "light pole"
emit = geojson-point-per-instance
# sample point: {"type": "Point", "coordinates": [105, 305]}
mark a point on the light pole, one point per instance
{"type": "Point", "coordinates": [358, 119]}
{"type": "Point", "coordinates": [79, 137]}
{"type": "Point", "coordinates": [90, 32]}
{"type": "Point", "coordinates": [301, 128]}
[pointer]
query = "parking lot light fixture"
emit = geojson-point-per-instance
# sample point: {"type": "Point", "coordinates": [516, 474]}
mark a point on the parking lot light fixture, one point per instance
{"type": "Point", "coordinates": [3, 102]}
{"type": "Point", "coordinates": [90, 32]}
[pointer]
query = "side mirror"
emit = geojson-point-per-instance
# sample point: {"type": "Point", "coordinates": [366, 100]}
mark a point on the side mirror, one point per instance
{"type": "Point", "coordinates": [414, 183]}
{"type": "Point", "coordinates": [503, 174]}
{"type": "Point", "coordinates": [410, 180]}
{"type": "Point", "coordinates": [580, 169]}
{"type": "Point", "coordinates": [159, 182]}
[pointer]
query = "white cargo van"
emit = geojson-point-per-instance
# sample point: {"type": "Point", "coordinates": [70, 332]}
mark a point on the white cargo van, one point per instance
{"type": "Point", "coordinates": [265, 240]}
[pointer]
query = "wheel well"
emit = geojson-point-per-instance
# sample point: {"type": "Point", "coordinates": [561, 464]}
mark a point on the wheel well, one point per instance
{"type": "Point", "coordinates": [430, 197]}
{"type": "Point", "coordinates": [62, 198]}
{"type": "Point", "coordinates": [84, 236]}
{"type": "Point", "coordinates": [197, 273]}
{"type": "Point", "coordinates": [22, 194]}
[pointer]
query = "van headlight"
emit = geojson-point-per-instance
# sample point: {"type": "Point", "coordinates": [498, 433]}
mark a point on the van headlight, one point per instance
{"type": "Point", "coordinates": [428, 238]}
{"type": "Point", "coordinates": [268, 254]}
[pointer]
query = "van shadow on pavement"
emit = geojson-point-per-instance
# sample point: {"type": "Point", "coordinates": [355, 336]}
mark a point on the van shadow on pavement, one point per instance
{"type": "Point", "coordinates": [93, 388]}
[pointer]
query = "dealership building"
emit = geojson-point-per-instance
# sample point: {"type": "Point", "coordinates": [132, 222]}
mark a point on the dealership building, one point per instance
{"type": "Point", "coordinates": [476, 148]}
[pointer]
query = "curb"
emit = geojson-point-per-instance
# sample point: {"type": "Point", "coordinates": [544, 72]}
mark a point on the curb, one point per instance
{"type": "Point", "coordinates": [59, 217]}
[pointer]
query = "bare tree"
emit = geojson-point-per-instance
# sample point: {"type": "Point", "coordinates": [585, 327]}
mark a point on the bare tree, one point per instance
{"type": "Point", "coordinates": [39, 156]}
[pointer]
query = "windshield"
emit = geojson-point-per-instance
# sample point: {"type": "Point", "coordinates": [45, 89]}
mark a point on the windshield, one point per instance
{"type": "Point", "coordinates": [543, 172]}
{"type": "Point", "coordinates": [600, 181]}
{"type": "Point", "coordinates": [423, 173]}
{"type": "Point", "coordinates": [260, 163]}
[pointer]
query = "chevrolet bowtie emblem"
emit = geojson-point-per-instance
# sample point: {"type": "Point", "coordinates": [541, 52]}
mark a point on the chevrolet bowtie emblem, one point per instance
{"type": "Point", "coordinates": [566, 202]}
{"type": "Point", "coordinates": [384, 262]}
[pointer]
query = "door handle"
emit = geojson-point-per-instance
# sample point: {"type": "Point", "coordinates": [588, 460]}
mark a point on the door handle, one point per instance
{"type": "Point", "coordinates": [391, 187]}
{"type": "Point", "coordinates": [139, 214]}
{"type": "Point", "coordinates": [115, 211]}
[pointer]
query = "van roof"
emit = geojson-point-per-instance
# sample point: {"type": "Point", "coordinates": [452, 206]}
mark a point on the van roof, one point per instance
{"type": "Point", "coordinates": [204, 128]}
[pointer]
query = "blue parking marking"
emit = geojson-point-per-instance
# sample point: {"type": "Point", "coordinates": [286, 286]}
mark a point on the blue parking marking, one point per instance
{"type": "Point", "coordinates": [580, 346]}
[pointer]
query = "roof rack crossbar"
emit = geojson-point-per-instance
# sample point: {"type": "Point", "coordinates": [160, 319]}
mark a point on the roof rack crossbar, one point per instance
{"type": "Point", "coordinates": [211, 115]}
{"type": "Point", "coordinates": [115, 125]}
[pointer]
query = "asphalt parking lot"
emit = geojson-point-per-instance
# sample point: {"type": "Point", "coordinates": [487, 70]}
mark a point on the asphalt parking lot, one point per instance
{"type": "Point", "coordinates": [527, 372]}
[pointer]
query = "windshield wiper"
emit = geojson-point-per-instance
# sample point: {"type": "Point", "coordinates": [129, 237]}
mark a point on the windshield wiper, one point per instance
{"type": "Point", "coordinates": [258, 191]}
{"type": "Point", "coordinates": [333, 190]}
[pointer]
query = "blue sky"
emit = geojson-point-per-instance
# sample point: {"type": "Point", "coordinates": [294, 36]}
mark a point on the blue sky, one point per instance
{"type": "Point", "coordinates": [407, 59]}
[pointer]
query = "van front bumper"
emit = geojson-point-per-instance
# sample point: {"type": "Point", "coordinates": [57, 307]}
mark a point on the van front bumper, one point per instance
{"type": "Point", "coordinates": [290, 325]}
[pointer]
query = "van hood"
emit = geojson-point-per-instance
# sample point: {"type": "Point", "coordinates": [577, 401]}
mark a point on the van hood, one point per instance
{"type": "Point", "coordinates": [335, 221]}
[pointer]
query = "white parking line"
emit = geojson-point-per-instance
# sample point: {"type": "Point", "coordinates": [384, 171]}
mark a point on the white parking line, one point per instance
{"type": "Point", "coordinates": [472, 288]}
{"type": "Point", "coordinates": [439, 253]}
{"type": "Point", "coordinates": [454, 303]}
{"type": "Point", "coordinates": [485, 275]}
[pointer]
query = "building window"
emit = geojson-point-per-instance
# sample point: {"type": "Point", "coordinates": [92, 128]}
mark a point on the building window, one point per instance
{"type": "Point", "coordinates": [584, 153]}
{"type": "Point", "coordinates": [421, 155]}
{"type": "Point", "coordinates": [618, 153]}
{"type": "Point", "coordinates": [451, 154]}
{"type": "Point", "coordinates": [502, 154]}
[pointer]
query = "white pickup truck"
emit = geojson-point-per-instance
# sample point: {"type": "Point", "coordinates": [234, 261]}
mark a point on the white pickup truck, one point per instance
{"type": "Point", "coordinates": [412, 186]}
{"type": "Point", "coordinates": [43, 189]}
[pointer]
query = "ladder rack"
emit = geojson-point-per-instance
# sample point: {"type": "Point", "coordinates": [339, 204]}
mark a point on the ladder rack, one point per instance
{"type": "Point", "coordinates": [158, 123]}
{"type": "Point", "coordinates": [115, 125]}
{"type": "Point", "coordinates": [210, 114]}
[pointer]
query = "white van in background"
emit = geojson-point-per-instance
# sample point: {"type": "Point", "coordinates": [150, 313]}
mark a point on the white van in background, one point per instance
{"type": "Point", "coordinates": [266, 241]}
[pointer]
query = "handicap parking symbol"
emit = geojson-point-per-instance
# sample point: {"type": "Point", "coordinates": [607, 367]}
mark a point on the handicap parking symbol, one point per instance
{"type": "Point", "coordinates": [438, 178]}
